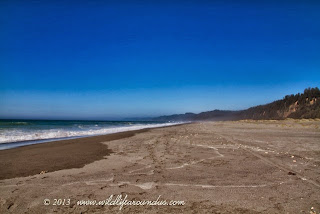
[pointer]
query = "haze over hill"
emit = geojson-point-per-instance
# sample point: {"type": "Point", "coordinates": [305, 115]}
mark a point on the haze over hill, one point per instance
{"type": "Point", "coordinates": [299, 106]}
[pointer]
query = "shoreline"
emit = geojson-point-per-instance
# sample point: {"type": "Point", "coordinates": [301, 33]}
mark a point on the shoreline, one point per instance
{"type": "Point", "coordinates": [17, 144]}
{"type": "Point", "coordinates": [56, 155]}
{"type": "Point", "coordinates": [10, 145]}
{"type": "Point", "coordinates": [59, 154]}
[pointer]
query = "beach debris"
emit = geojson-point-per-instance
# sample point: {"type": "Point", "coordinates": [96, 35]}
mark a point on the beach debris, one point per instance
{"type": "Point", "coordinates": [292, 156]}
{"type": "Point", "coordinates": [43, 172]}
{"type": "Point", "coordinates": [294, 161]}
{"type": "Point", "coordinates": [291, 173]}
{"type": "Point", "coordinates": [313, 211]}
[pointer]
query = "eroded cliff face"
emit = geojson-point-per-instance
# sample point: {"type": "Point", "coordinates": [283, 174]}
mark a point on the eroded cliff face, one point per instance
{"type": "Point", "coordinates": [309, 109]}
{"type": "Point", "coordinates": [296, 107]}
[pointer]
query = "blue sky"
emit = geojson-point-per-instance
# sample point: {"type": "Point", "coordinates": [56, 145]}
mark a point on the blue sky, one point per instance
{"type": "Point", "coordinates": [117, 59]}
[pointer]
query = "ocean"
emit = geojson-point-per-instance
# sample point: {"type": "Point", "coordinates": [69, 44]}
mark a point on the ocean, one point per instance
{"type": "Point", "coordinates": [15, 133]}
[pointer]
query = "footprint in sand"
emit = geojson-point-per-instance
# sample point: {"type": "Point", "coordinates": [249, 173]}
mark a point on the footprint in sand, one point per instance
{"type": "Point", "coordinates": [14, 190]}
{"type": "Point", "coordinates": [19, 183]}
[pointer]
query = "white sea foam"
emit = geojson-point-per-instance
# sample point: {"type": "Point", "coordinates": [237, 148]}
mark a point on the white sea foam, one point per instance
{"type": "Point", "coordinates": [16, 135]}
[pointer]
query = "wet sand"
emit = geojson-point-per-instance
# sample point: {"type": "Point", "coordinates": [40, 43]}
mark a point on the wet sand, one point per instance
{"type": "Point", "coordinates": [56, 155]}
{"type": "Point", "coordinates": [215, 167]}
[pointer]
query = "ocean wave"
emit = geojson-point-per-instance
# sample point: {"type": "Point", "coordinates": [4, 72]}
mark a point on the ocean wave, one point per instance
{"type": "Point", "coordinates": [8, 136]}
{"type": "Point", "coordinates": [10, 123]}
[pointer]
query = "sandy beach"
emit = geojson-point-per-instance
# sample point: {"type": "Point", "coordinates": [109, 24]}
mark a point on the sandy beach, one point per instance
{"type": "Point", "coordinates": [213, 167]}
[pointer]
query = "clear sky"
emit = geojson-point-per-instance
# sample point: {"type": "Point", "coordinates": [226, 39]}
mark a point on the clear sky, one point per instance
{"type": "Point", "coordinates": [117, 59]}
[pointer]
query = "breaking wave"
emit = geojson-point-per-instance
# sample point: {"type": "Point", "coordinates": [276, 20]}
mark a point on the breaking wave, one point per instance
{"type": "Point", "coordinates": [17, 135]}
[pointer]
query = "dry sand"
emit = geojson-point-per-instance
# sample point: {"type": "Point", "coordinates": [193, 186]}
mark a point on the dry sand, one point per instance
{"type": "Point", "coordinates": [215, 167]}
